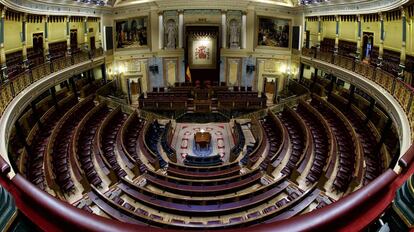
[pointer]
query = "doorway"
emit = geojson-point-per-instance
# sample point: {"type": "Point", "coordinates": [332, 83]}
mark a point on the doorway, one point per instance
{"type": "Point", "coordinates": [36, 56]}
{"type": "Point", "coordinates": [367, 45]}
{"type": "Point", "coordinates": [74, 40]}
{"type": "Point", "coordinates": [307, 41]}
{"type": "Point", "coordinates": [92, 43]}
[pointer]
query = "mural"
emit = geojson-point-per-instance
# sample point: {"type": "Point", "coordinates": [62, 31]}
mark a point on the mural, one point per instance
{"type": "Point", "coordinates": [132, 33]}
{"type": "Point", "coordinates": [202, 51]}
{"type": "Point", "coordinates": [273, 32]}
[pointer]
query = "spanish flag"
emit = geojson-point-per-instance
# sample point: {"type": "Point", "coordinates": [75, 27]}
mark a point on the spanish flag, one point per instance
{"type": "Point", "coordinates": [188, 74]}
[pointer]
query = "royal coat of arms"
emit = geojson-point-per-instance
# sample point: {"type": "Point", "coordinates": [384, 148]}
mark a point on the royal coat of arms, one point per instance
{"type": "Point", "coordinates": [202, 53]}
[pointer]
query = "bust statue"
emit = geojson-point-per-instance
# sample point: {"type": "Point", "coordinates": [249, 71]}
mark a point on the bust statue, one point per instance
{"type": "Point", "coordinates": [234, 34]}
{"type": "Point", "coordinates": [171, 34]}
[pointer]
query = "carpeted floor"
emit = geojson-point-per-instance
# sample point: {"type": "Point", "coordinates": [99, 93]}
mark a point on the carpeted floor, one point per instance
{"type": "Point", "coordinates": [221, 140]}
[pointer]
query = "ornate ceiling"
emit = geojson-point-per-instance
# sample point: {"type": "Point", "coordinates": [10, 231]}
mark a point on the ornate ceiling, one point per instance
{"type": "Point", "coordinates": [99, 7]}
{"type": "Point", "coordinates": [121, 3]}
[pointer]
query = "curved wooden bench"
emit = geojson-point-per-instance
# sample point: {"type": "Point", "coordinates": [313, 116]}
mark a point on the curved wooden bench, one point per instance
{"type": "Point", "coordinates": [128, 142]}
{"type": "Point", "coordinates": [85, 144]}
{"type": "Point", "coordinates": [324, 143]}
{"type": "Point", "coordinates": [348, 145]}
{"type": "Point", "coordinates": [185, 207]}
{"type": "Point", "coordinates": [38, 147]}
{"type": "Point", "coordinates": [184, 172]}
{"type": "Point", "coordinates": [57, 165]}
{"type": "Point", "coordinates": [204, 187]}
{"type": "Point", "coordinates": [107, 137]}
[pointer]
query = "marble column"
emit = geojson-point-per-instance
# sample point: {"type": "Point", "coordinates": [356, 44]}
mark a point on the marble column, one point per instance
{"type": "Point", "coordinates": [224, 29]}
{"type": "Point", "coordinates": [403, 44]}
{"type": "Point", "coordinates": [180, 28]}
{"type": "Point", "coordinates": [318, 45]}
{"type": "Point", "coordinates": [99, 44]}
{"type": "Point", "coordinates": [68, 35]}
{"type": "Point", "coordinates": [305, 26]}
{"type": "Point", "coordinates": [46, 48]}
{"type": "Point", "coordinates": [85, 31]}
{"type": "Point", "coordinates": [24, 43]}
{"type": "Point", "coordinates": [160, 30]}
{"type": "Point", "coordinates": [243, 30]}
{"type": "Point", "coordinates": [2, 50]}
{"type": "Point", "coordinates": [381, 45]}
{"type": "Point", "coordinates": [336, 34]}
{"type": "Point", "coordinates": [359, 38]}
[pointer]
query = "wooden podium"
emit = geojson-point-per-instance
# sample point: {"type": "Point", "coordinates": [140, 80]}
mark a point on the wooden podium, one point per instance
{"type": "Point", "coordinates": [202, 140]}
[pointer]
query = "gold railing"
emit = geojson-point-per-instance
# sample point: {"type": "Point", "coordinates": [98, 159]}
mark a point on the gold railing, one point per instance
{"type": "Point", "coordinates": [13, 86]}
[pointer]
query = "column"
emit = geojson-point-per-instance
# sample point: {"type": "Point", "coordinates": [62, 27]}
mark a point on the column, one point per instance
{"type": "Point", "coordinates": [85, 31]}
{"type": "Point", "coordinates": [73, 84]}
{"type": "Point", "coordinates": [359, 40]}
{"type": "Point", "coordinates": [36, 114]}
{"type": "Point", "coordinates": [250, 28]}
{"type": "Point", "coordinates": [46, 49]}
{"type": "Point", "coordinates": [301, 70]}
{"type": "Point", "coordinates": [53, 93]}
{"type": "Point", "coordinates": [318, 45]}
{"type": "Point", "coordinates": [305, 26]}
{"type": "Point", "coordinates": [371, 109]}
{"type": "Point", "coordinates": [403, 45]}
{"type": "Point", "coordinates": [24, 43]}
{"type": "Point", "coordinates": [103, 71]}
{"type": "Point", "coordinates": [336, 34]}
{"type": "Point", "coordinates": [244, 29]}
{"type": "Point", "coordinates": [68, 35]}
{"type": "Point", "coordinates": [351, 95]}
{"type": "Point", "coordinates": [381, 46]}
{"type": "Point", "coordinates": [180, 28]}
{"type": "Point", "coordinates": [160, 30]}
{"type": "Point", "coordinates": [2, 51]}
{"type": "Point", "coordinates": [223, 29]}
{"type": "Point", "coordinates": [99, 44]}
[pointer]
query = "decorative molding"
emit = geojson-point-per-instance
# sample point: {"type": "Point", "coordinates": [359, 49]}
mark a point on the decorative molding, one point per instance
{"type": "Point", "coordinates": [54, 8]}
{"type": "Point", "coordinates": [351, 7]}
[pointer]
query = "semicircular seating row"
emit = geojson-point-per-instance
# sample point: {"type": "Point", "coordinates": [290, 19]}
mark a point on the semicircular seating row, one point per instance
{"type": "Point", "coordinates": [120, 165]}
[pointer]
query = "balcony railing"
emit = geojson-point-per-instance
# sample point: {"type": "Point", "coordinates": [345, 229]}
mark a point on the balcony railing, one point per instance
{"type": "Point", "coordinates": [400, 90]}
{"type": "Point", "coordinates": [11, 87]}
